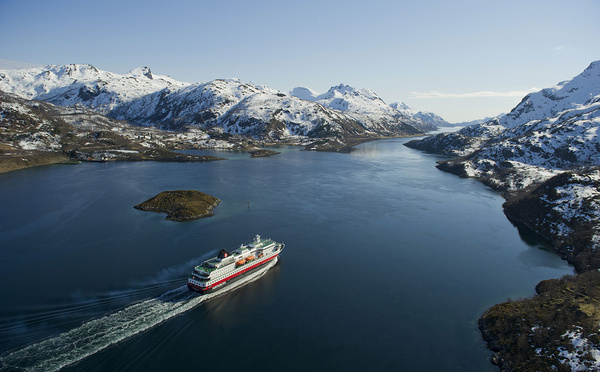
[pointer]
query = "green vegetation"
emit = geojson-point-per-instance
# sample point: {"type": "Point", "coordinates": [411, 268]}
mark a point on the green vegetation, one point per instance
{"type": "Point", "coordinates": [528, 334]}
{"type": "Point", "coordinates": [181, 205]}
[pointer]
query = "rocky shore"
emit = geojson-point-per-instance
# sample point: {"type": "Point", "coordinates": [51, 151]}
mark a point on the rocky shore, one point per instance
{"type": "Point", "coordinates": [556, 330]}
{"type": "Point", "coordinates": [565, 211]}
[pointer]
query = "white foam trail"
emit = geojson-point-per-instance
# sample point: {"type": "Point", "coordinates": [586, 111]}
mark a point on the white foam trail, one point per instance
{"type": "Point", "coordinates": [98, 303]}
{"type": "Point", "coordinates": [98, 334]}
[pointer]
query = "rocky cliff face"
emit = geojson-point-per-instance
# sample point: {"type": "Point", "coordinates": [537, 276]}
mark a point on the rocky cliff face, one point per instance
{"type": "Point", "coordinates": [564, 210]}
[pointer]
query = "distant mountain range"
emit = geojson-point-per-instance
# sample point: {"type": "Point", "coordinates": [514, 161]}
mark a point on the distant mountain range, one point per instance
{"type": "Point", "coordinates": [477, 121]}
{"type": "Point", "coordinates": [231, 105]}
{"type": "Point", "coordinates": [432, 119]}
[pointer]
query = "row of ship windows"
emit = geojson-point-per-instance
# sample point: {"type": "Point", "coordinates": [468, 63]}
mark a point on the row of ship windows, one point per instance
{"type": "Point", "coordinates": [204, 280]}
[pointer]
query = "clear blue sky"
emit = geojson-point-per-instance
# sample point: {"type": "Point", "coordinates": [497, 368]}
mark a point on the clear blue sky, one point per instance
{"type": "Point", "coordinates": [463, 60]}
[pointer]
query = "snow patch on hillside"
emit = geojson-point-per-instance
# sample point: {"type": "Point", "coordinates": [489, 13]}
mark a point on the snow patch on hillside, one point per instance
{"type": "Point", "coordinates": [584, 355]}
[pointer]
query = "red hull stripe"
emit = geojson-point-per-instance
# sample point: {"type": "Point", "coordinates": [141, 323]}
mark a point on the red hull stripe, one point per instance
{"type": "Point", "coordinates": [234, 275]}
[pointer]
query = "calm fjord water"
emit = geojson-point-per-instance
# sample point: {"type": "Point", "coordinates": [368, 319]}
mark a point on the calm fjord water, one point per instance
{"type": "Point", "coordinates": [388, 264]}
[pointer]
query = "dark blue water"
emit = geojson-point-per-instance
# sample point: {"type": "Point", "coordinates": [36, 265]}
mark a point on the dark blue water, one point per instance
{"type": "Point", "coordinates": [388, 264]}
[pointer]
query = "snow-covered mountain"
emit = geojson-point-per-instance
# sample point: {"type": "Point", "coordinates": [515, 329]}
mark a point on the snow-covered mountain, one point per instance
{"type": "Point", "coordinates": [36, 133]}
{"type": "Point", "coordinates": [84, 84]}
{"type": "Point", "coordinates": [237, 107]}
{"type": "Point", "coordinates": [281, 116]}
{"type": "Point", "coordinates": [304, 93]}
{"type": "Point", "coordinates": [553, 134]}
{"type": "Point", "coordinates": [364, 105]}
{"type": "Point", "coordinates": [547, 103]}
{"type": "Point", "coordinates": [478, 121]}
{"type": "Point", "coordinates": [196, 104]}
{"type": "Point", "coordinates": [346, 98]}
{"type": "Point", "coordinates": [550, 102]}
{"type": "Point", "coordinates": [550, 131]}
{"type": "Point", "coordinates": [245, 108]}
{"type": "Point", "coordinates": [433, 120]}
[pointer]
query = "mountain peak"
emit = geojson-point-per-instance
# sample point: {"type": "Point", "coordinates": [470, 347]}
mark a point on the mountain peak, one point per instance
{"type": "Point", "coordinates": [142, 71]}
{"type": "Point", "coordinates": [75, 71]}
{"type": "Point", "coordinates": [568, 94]}
{"type": "Point", "coordinates": [593, 69]}
{"type": "Point", "coordinates": [401, 106]}
{"type": "Point", "coordinates": [343, 89]}
{"type": "Point", "coordinates": [304, 93]}
{"type": "Point", "coordinates": [68, 85]}
{"type": "Point", "coordinates": [142, 97]}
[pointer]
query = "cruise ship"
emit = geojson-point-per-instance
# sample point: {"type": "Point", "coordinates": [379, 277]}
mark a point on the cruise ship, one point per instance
{"type": "Point", "coordinates": [230, 266]}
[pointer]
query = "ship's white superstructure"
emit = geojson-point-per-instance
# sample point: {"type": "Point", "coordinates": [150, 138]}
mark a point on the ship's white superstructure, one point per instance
{"type": "Point", "coordinates": [229, 266]}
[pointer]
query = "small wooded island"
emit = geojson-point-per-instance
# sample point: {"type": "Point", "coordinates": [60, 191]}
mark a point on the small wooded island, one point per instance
{"type": "Point", "coordinates": [181, 205]}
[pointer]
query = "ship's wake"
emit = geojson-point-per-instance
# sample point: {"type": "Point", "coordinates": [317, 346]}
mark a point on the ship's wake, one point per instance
{"type": "Point", "coordinates": [21, 326]}
{"type": "Point", "coordinates": [98, 334]}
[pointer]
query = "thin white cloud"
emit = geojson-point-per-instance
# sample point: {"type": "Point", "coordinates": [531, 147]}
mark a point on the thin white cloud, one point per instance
{"type": "Point", "coordinates": [559, 48]}
{"type": "Point", "coordinates": [8, 64]}
{"type": "Point", "coordinates": [511, 94]}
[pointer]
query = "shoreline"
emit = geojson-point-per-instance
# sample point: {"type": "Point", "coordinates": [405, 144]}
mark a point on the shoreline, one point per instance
{"type": "Point", "coordinates": [345, 145]}
{"type": "Point", "coordinates": [24, 161]}
{"type": "Point", "coordinates": [545, 331]}
{"type": "Point", "coordinates": [19, 160]}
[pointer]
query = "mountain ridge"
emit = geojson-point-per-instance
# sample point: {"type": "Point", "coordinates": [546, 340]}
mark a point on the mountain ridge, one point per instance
{"type": "Point", "coordinates": [366, 102]}
{"type": "Point", "coordinates": [84, 84]}
{"type": "Point", "coordinates": [143, 98]}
